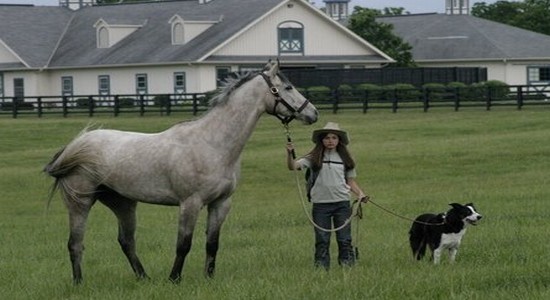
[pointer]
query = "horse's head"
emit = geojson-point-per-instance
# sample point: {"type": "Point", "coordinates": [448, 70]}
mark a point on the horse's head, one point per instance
{"type": "Point", "coordinates": [286, 102]}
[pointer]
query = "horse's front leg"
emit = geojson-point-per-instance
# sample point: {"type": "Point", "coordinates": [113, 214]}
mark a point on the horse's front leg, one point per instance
{"type": "Point", "coordinates": [217, 211]}
{"type": "Point", "coordinates": [189, 211]}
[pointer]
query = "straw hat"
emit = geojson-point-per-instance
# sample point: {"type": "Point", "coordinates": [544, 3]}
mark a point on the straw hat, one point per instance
{"type": "Point", "coordinates": [331, 127]}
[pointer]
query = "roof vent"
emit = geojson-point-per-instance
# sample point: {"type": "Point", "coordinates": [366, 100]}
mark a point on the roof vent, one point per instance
{"type": "Point", "coordinates": [76, 4]}
{"type": "Point", "coordinates": [457, 7]}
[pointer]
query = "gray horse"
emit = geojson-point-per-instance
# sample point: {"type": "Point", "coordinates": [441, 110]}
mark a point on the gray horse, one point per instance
{"type": "Point", "coordinates": [191, 164]}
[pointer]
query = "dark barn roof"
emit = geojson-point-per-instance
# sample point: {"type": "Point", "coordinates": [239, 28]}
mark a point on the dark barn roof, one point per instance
{"type": "Point", "coordinates": [437, 37]}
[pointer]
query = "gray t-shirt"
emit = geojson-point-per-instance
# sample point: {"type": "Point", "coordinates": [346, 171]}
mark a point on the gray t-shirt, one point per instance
{"type": "Point", "coordinates": [330, 185]}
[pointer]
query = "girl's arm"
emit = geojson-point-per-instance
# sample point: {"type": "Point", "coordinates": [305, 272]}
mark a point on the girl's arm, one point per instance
{"type": "Point", "coordinates": [290, 162]}
{"type": "Point", "coordinates": [357, 190]}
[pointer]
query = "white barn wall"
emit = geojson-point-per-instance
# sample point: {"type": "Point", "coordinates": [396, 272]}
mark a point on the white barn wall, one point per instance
{"type": "Point", "coordinates": [320, 36]}
{"type": "Point", "coordinates": [31, 79]}
{"type": "Point", "coordinates": [123, 80]}
{"type": "Point", "coordinates": [199, 78]}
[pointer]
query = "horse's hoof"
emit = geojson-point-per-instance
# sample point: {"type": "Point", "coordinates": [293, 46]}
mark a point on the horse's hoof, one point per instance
{"type": "Point", "coordinates": [143, 277]}
{"type": "Point", "coordinates": [175, 280]}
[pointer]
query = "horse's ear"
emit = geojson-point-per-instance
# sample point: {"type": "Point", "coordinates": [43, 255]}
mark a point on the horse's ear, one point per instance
{"type": "Point", "coordinates": [271, 68]}
{"type": "Point", "coordinates": [267, 66]}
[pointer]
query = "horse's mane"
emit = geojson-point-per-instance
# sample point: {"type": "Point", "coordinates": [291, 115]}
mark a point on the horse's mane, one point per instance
{"type": "Point", "coordinates": [230, 84]}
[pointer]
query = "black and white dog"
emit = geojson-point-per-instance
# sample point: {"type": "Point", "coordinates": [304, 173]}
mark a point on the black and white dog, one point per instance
{"type": "Point", "coordinates": [442, 231]}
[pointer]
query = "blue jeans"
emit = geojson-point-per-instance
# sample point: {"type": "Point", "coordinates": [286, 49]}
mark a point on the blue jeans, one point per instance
{"type": "Point", "coordinates": [325, 215]}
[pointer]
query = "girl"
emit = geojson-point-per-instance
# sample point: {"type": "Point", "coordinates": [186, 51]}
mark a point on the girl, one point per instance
{"type": "Point", "coordinates": [334, 167]}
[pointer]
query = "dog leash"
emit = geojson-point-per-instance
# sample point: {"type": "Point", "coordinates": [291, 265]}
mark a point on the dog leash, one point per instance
{"type": "Point", "coordinates": [403, 217]}
{"type": "Point", "coordinates": [357, 203]}
{"type": "Point", "coordinates": [359, 210]}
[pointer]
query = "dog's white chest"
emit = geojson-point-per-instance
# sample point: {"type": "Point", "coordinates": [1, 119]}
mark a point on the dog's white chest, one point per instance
{"type": "Point", "coordinates": [451, 240]}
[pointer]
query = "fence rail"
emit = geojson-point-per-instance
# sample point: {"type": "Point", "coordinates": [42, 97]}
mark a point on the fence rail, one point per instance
{"type": "Point", "coordinates": [334, 100]}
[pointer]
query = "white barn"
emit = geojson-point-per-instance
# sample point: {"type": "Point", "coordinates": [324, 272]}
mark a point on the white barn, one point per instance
{"type": "Point", "coordinates": [457, 39]}
{"type": "Point", "coordinates": [166, 47]}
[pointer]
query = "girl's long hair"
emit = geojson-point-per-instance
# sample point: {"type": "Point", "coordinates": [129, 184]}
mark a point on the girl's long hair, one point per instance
{"type": "Point", "coordinates": [316, 154]}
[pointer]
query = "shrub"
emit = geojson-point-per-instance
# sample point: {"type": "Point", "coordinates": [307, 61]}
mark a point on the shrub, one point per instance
{"type": "Point", "coordinates": [435, 91]}
{"type": "Point", "coordinates": [126, 102]}
{"type": "Point", "coordinates": [346, 92]}
{"type": "Point", "coordinates": [498, 88]}
{"type": "Point", "coordinates": [161, 100]}
{"type": "Point", "coordinates": [373, 91]}
{"type": "Point", "coordinates": [403, 91]}
{"type": "Point", "coordinates": [318, 93]}
{"type": "Point", "coordinates": [82, 102]}
{"type": "Point", "coordinates": [474, 92]}
{"type": "Point", "coordinates": [8, 106]}
{"type": "Point", "coordinates": [456, 84]}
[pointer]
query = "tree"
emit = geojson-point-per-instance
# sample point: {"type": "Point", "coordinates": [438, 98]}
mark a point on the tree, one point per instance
{"type": "Point", "coordinates": [532, 15]}
{"type": "Point", "coordinates": [363, 22]}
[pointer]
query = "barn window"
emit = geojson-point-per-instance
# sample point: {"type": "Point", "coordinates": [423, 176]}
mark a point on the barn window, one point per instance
{"type": "Point", "coordinates": [67, 85]}
{"type": "Point", "coordinates": [291, 38]}
{"type": "Point", "coordinates": [103, 37]}
{"type": "Point", "coordinates": [141, 84]}
{"type": "Point", "coordinates": [104, 84]}
{"type": "Point", "coordinates": [538, 74]}
{"type": "Point", "coordinates": [179, 83]}
{"type": "Point", "coordinates": [221, 75]}
{"type": "Point", "coordinates": [178, 34]}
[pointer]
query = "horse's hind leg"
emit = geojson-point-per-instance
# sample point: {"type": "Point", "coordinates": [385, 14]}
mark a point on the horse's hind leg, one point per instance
{"type": "Point", "coordinates": [77, 223]}
{"type": "Point", "coordinates": [79, 207]}
{"type": "Point", "coordinates": [125, 211]}
{"type": "Point", "coordinates": [217, 211]}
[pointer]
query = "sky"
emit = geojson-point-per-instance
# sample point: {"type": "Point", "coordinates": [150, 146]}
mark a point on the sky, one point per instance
{"type": "Point", "coordinates": [412, 6]}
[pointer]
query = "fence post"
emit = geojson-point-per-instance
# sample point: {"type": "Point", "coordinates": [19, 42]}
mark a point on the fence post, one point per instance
{"type": "Point", "coordinates": [141, 105]}
{"type": "Point", "coordinates": [488, 104]}
{"type": "Point", "coordinates": [426, 98]}
{"type": "Point", "coordinates": [335, 99]}
{"type": "Point", "coordinates": [195, 105]}
{"type": "Point", "coordinates": [520, 97]}
{"type": "Point", "coordinates": [366, 102]}
{"type": "Point", "coordinates": [394, 101]}
{"type": "Point", "coordinates": [90, 106]}
{"type": "Point", "coordinates": [168, 104]}
{"type": "Point", "coordinates": [39, 103]}
{"type": "Point", "coordinates": [116, 110]}
{"type": "Point", "coordinates": [14, 107]}
{"type": "Point", "coordinates": [456, 96]}
{"type": "Point", "coordinates": [64, 101]}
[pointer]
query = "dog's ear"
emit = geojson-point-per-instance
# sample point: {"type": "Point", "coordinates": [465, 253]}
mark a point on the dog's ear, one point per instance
{"type": "Point", "coordinates": [469, 204]}
{"type": "Point", "coordinates": [455, 205]}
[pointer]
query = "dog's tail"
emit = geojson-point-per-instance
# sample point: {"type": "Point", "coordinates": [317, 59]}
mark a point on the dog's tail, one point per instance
{"type": "Point", "coordinates": [418, 236]}
{"type": "Point", "coordinates": [418, 243]}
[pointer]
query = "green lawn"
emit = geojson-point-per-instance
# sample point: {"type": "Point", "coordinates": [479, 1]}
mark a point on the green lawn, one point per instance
{"type": "Point", "coordinates": [410, 162]}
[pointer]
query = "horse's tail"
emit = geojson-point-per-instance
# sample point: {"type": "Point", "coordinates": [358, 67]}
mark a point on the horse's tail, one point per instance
{"type": "Point", "coordinates": [78, 156]}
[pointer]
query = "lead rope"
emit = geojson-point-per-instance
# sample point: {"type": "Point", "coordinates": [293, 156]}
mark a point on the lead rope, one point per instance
{"type": "Point", "coordinates": [358, 213]}
{"type": "Point", "coordinates": [403, 217]}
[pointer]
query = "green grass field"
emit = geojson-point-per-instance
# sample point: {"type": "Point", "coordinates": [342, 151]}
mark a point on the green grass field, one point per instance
{"type": "Point", "coordinates": [410, 162]}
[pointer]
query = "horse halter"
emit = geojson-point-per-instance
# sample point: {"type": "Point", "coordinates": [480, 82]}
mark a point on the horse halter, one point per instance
{"type": "Point", "coordinates": [278, 99]}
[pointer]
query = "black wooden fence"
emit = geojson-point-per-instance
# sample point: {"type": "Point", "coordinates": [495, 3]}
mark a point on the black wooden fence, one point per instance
{"type": "Point", "coordinates": [334, 100]}
{"type": "Point", "coordinates": [333, 78]}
